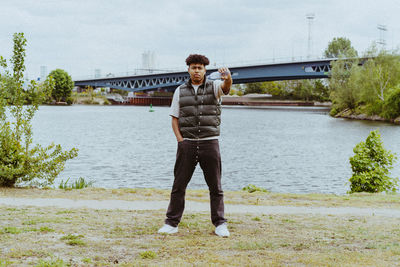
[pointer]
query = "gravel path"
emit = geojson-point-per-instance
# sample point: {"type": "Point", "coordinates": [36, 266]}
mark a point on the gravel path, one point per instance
{"type": "Point", "coordinates": [195, 207]}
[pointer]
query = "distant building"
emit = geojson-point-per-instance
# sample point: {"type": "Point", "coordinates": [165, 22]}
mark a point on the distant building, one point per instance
{"type": "Point", "coordinates": [43, 73]}
{"type": "Point", "coordinates": [97, 73]}
{"type": "Point", "coordinates": [148, 60]}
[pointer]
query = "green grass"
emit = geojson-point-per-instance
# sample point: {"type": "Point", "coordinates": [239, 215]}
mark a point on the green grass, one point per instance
{"type": "Point", "coordinates": [252, 188]}
{"type": "Point", "coordinates": [65, 212]}
{"type": "Point", "coordinates": [80, 183]}
{"type": "Point", "coordinates": [22, 253]}
{"type": "Point", "coordinates": [15, 230]}
{"type": "Point", "coordinates": [5, 263]}
{"type": "Point", "coordinates": [288, 221]}
{"type": "Point", "coordinates": [130, 238]}
{"type": "Point", "coordinates": [252, 245]}
{"type": "Point", "coordinates": [51, 263]}
{"type": "Point", "coordinates": [148, 255]}
{"type": "Point", "coordinates": [11, 230]}
{"type": "Point", "coordinates": [73, 240]}
{"type": "Point", "coordinates": [30, 222]}
{"type": "Point", "coordinates": [45, 229]}
{"type": "Point", "coordinates": [87, 260]}
{"type": "Point", "coordinates": [301, 246]}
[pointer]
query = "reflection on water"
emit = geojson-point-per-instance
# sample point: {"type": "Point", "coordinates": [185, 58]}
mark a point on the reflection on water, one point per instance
{"type": "Point", "coordinates": [297, 150]}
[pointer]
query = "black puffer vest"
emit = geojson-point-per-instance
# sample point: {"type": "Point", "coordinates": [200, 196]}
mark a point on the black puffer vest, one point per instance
{"type": "Point", "coordinates": [199, 114]}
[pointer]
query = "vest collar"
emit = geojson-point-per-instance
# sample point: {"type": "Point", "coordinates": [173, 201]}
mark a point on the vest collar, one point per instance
{"type": "Point", "coordinates": [189, 82]}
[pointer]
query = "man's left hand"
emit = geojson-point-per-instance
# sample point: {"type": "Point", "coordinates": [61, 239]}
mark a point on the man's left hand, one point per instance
{"type": "Point", "coordinates": [225, 73]}
{"type": "Point", "coordinates": [226, 78]}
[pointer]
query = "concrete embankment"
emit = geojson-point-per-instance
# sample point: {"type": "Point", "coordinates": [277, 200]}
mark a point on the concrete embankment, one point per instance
{"type": "Point", "coordinates": [228, 100]}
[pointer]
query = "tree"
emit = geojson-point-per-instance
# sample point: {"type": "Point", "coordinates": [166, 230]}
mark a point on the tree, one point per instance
{"type": "Point", "coordinates": [370, 88]}
{"type": "Point", "coordinates": [63, 85]}
{"type": "Point", "coordinates": [391, 107]}
{"type": "Point", "coordinates": [19, 162]}
{"type": "Point", "coordinates": [382, 73]}
{"type": "Point", "coordinates": [344, 84]}
{"type": "Point", "coordinates": [370, 165]}
{"type": "Point", "coordinates": [340, 47]}
{"type": "Point", "coordinates": [303, 90]}
{"type": "Point", "coordinates": [236, 89]}
{"type": "Point", "coordinates": [291, 89]}
{"type": "Point", "coordinates": [254, 88]}
{"type": "Point", "coordinates": [321, 91]}
{"type": "Point", "coordinates": [272, 88]}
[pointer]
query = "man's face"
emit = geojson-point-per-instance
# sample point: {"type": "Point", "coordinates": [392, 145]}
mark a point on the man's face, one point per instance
{"type": "Point", "coordinates": [197, 72]}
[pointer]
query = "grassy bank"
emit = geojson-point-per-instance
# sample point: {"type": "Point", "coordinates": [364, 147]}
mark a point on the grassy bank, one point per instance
{"type": "Point", "coordinates": [89, 98]}
{"type": "Point", "coordinates": [88, 237]}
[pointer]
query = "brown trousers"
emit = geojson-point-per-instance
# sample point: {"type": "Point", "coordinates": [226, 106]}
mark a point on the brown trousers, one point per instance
{"type": "Point", "coordinates": [188, 155]}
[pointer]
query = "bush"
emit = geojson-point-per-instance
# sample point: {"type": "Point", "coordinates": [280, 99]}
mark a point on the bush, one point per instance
{"type": "Point", "coordinates": [106, 102]}
{"type": "Point", "coordinates": [77, 184]}
{"type": "Point", "coordinates": [370, 165]}
{"type": "Point", "coordinates": [252, 188]}
{"type": "Point", "coordinates": [391, 107]}
{"type": "Point", "coordinates": [333, 112]}
{"type": "Point", "coordinates": [19, 162]}
{"type": "Point", "coordinates": [70, 100]}
{"type": "Point", "coordinates": [374, 108]}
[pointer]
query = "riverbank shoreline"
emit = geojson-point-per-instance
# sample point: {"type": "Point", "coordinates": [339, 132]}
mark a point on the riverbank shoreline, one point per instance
{"type": "Point", "coordinates": [260, 100]}
{"type": "Point", "coordinates": [349, 114]}
{"type": "Point", "coordinates": [296, 233]}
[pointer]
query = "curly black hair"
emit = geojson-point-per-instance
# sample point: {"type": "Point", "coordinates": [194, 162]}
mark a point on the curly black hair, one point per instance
{"type": "Point", "coordinates": [199, 59]}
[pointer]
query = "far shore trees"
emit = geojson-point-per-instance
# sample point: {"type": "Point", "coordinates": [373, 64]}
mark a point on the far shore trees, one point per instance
{"type": "Point", "coordinates": [340, 47]}
{"type": "Point", "coordinates": [372, 88]}
{"type": "Point", "coordinates": [63, 85]}
{"type": "Point", "coordinates": [305, 90]}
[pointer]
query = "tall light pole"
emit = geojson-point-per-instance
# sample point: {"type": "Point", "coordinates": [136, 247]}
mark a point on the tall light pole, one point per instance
{"type": "Point", "coordinates": [382, 29]}
{"type": "Point", "coordinates": [310, 17]}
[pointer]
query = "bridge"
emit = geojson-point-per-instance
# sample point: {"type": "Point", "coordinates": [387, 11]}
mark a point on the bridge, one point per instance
{"type": "Point", "coordinates": [313, 69]}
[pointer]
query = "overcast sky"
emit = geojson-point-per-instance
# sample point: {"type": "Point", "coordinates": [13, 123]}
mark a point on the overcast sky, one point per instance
{"type": "Point", "coordinates": [81, 36]}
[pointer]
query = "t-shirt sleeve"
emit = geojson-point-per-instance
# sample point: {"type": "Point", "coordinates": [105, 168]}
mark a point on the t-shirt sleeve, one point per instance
{"type": "Point", "coordinates": [218, 89]}
{"type": "Point", "coordinates": [174, 109]}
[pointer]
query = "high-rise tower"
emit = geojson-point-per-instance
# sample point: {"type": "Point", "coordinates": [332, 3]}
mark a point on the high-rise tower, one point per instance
{"type": "Point", "coordinates": [310, 18]}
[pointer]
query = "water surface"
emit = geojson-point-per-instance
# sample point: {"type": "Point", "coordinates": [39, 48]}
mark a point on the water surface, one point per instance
{"type": "Point", "coordinates": [296, 150]}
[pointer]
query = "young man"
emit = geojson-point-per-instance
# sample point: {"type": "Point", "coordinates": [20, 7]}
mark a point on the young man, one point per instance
{"type": "Point", "coordinates": [196, 117]}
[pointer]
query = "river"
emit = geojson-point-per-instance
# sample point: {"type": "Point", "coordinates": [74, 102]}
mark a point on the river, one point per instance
{"type": "Point", "coordinates": [282, 149]}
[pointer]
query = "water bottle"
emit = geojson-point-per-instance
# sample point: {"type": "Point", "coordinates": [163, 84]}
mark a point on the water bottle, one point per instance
{"type": "Point", "coordinates": [214, 75]}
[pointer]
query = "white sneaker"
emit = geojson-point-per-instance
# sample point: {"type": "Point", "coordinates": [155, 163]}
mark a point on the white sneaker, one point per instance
{"type": "Point", "coordinates": [168, 229]}
{"type": "Point", "coordinates": [222, 230]}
